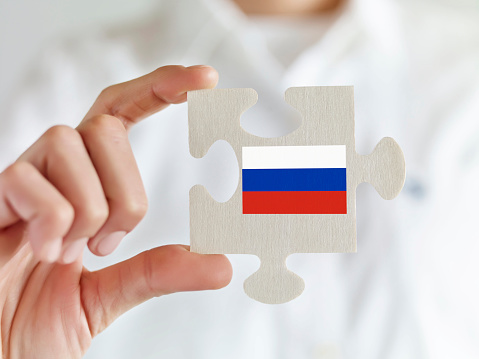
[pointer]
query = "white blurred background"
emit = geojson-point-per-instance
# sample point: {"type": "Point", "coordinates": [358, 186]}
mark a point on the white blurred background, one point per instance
{"type": "Point", "coordinates": [28, 25]}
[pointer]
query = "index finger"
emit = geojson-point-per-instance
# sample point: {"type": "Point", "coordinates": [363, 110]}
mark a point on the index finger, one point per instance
{"type": "Point", "coordinates": [137, 99]}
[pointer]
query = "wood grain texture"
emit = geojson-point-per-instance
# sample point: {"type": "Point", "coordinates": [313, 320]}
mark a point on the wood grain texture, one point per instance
{"type": "Point", "coordinates": [328, 119]}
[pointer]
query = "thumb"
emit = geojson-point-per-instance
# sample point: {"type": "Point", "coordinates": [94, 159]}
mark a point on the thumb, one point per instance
{"type": "Point", "coordinates": [110, 292]}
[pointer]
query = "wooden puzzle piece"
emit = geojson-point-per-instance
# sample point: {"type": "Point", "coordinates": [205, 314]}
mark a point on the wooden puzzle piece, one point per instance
{"type": "Point", "coordinates": [296, 193]}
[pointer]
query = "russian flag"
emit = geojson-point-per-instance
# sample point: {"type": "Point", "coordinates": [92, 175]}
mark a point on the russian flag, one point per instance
{"type": "Point", "coordinates": [294, 180]}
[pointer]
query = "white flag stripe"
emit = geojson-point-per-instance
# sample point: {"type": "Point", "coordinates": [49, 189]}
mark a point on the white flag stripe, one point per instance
{"type": "Point", "coordinates": [294, 157]}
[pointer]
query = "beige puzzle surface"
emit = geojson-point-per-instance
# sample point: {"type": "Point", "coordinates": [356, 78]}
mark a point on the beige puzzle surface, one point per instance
{"type": "Point", "coordinates": [296, 193]}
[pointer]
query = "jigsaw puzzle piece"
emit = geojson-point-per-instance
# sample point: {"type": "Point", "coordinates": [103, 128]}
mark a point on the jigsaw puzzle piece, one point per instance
{"type": "Point", "coordinates": [328, 124]}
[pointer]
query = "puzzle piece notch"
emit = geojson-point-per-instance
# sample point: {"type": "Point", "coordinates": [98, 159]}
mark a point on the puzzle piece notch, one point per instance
{"type": "Point", "coordinates": [224, 107]}
{"type": "Point", "coordinates": [218, 171]}
{"type": "Point", "coordinates": [327, 111]}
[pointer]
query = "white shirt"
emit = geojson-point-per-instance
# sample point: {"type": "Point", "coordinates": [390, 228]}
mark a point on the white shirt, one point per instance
{"type": "Point", "coordinates": [411, 290]}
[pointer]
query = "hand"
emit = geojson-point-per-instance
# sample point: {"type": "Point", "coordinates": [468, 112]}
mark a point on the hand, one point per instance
{"type": "Point", "coordinates": [81, 186]}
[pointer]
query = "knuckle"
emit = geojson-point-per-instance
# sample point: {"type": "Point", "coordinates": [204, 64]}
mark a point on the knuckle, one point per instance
{"type": "Point", "coordinates": [99, 214]}
{"type": "Point", "coordinates": [93, 216]}
{"type": "Point", "coordinates": [134, 208]}
{"type": "Point", "coordinates": [107, 93]}
{"type": "Point", "coordinates": [61, 214]}
{"type": "Point", "coordinates": [19, 171]}
{"type": "Point", "coordinates": [62, 135]}
{"type": "Point", "coordinates": [59, 141]}
{"type": "Point", "coordinates": [100, 125]}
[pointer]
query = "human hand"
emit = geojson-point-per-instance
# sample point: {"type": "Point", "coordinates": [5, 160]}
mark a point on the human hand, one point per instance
{"type": "Point", "coordinates": [81, 186]}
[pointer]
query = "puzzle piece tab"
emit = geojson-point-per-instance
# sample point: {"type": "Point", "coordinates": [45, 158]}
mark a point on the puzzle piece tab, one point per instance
{"type": "Point", "coordinates": [296, 193]}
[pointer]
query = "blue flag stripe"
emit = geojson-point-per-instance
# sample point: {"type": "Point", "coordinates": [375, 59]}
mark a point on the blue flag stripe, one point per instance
{"type": "Point", "coordinates": [294, 179]}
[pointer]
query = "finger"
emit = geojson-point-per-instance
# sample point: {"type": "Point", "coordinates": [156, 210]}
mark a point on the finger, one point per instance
{"type": "Point", "coordinates": [139, 98]}
{"type": "Point", "coordinates": [60, 155]}
{"type": "Point", "coordinates": [110, 292]}
{"type": "Point", "coordinates": [107, 142]}
{"type": "Point", "coordinates": [26, 195]}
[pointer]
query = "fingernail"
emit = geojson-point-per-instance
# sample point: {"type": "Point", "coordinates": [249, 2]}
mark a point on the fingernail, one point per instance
{"type": "Point", "coordinates": [51, 250]}
{"type": "Point", "coordinates": [110, 242]}
{"type": "Point", "coordinates": [74, 250]}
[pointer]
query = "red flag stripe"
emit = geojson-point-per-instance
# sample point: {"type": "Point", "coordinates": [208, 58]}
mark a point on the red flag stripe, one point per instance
{"type": "Point", "coordinates": [295, 202]}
